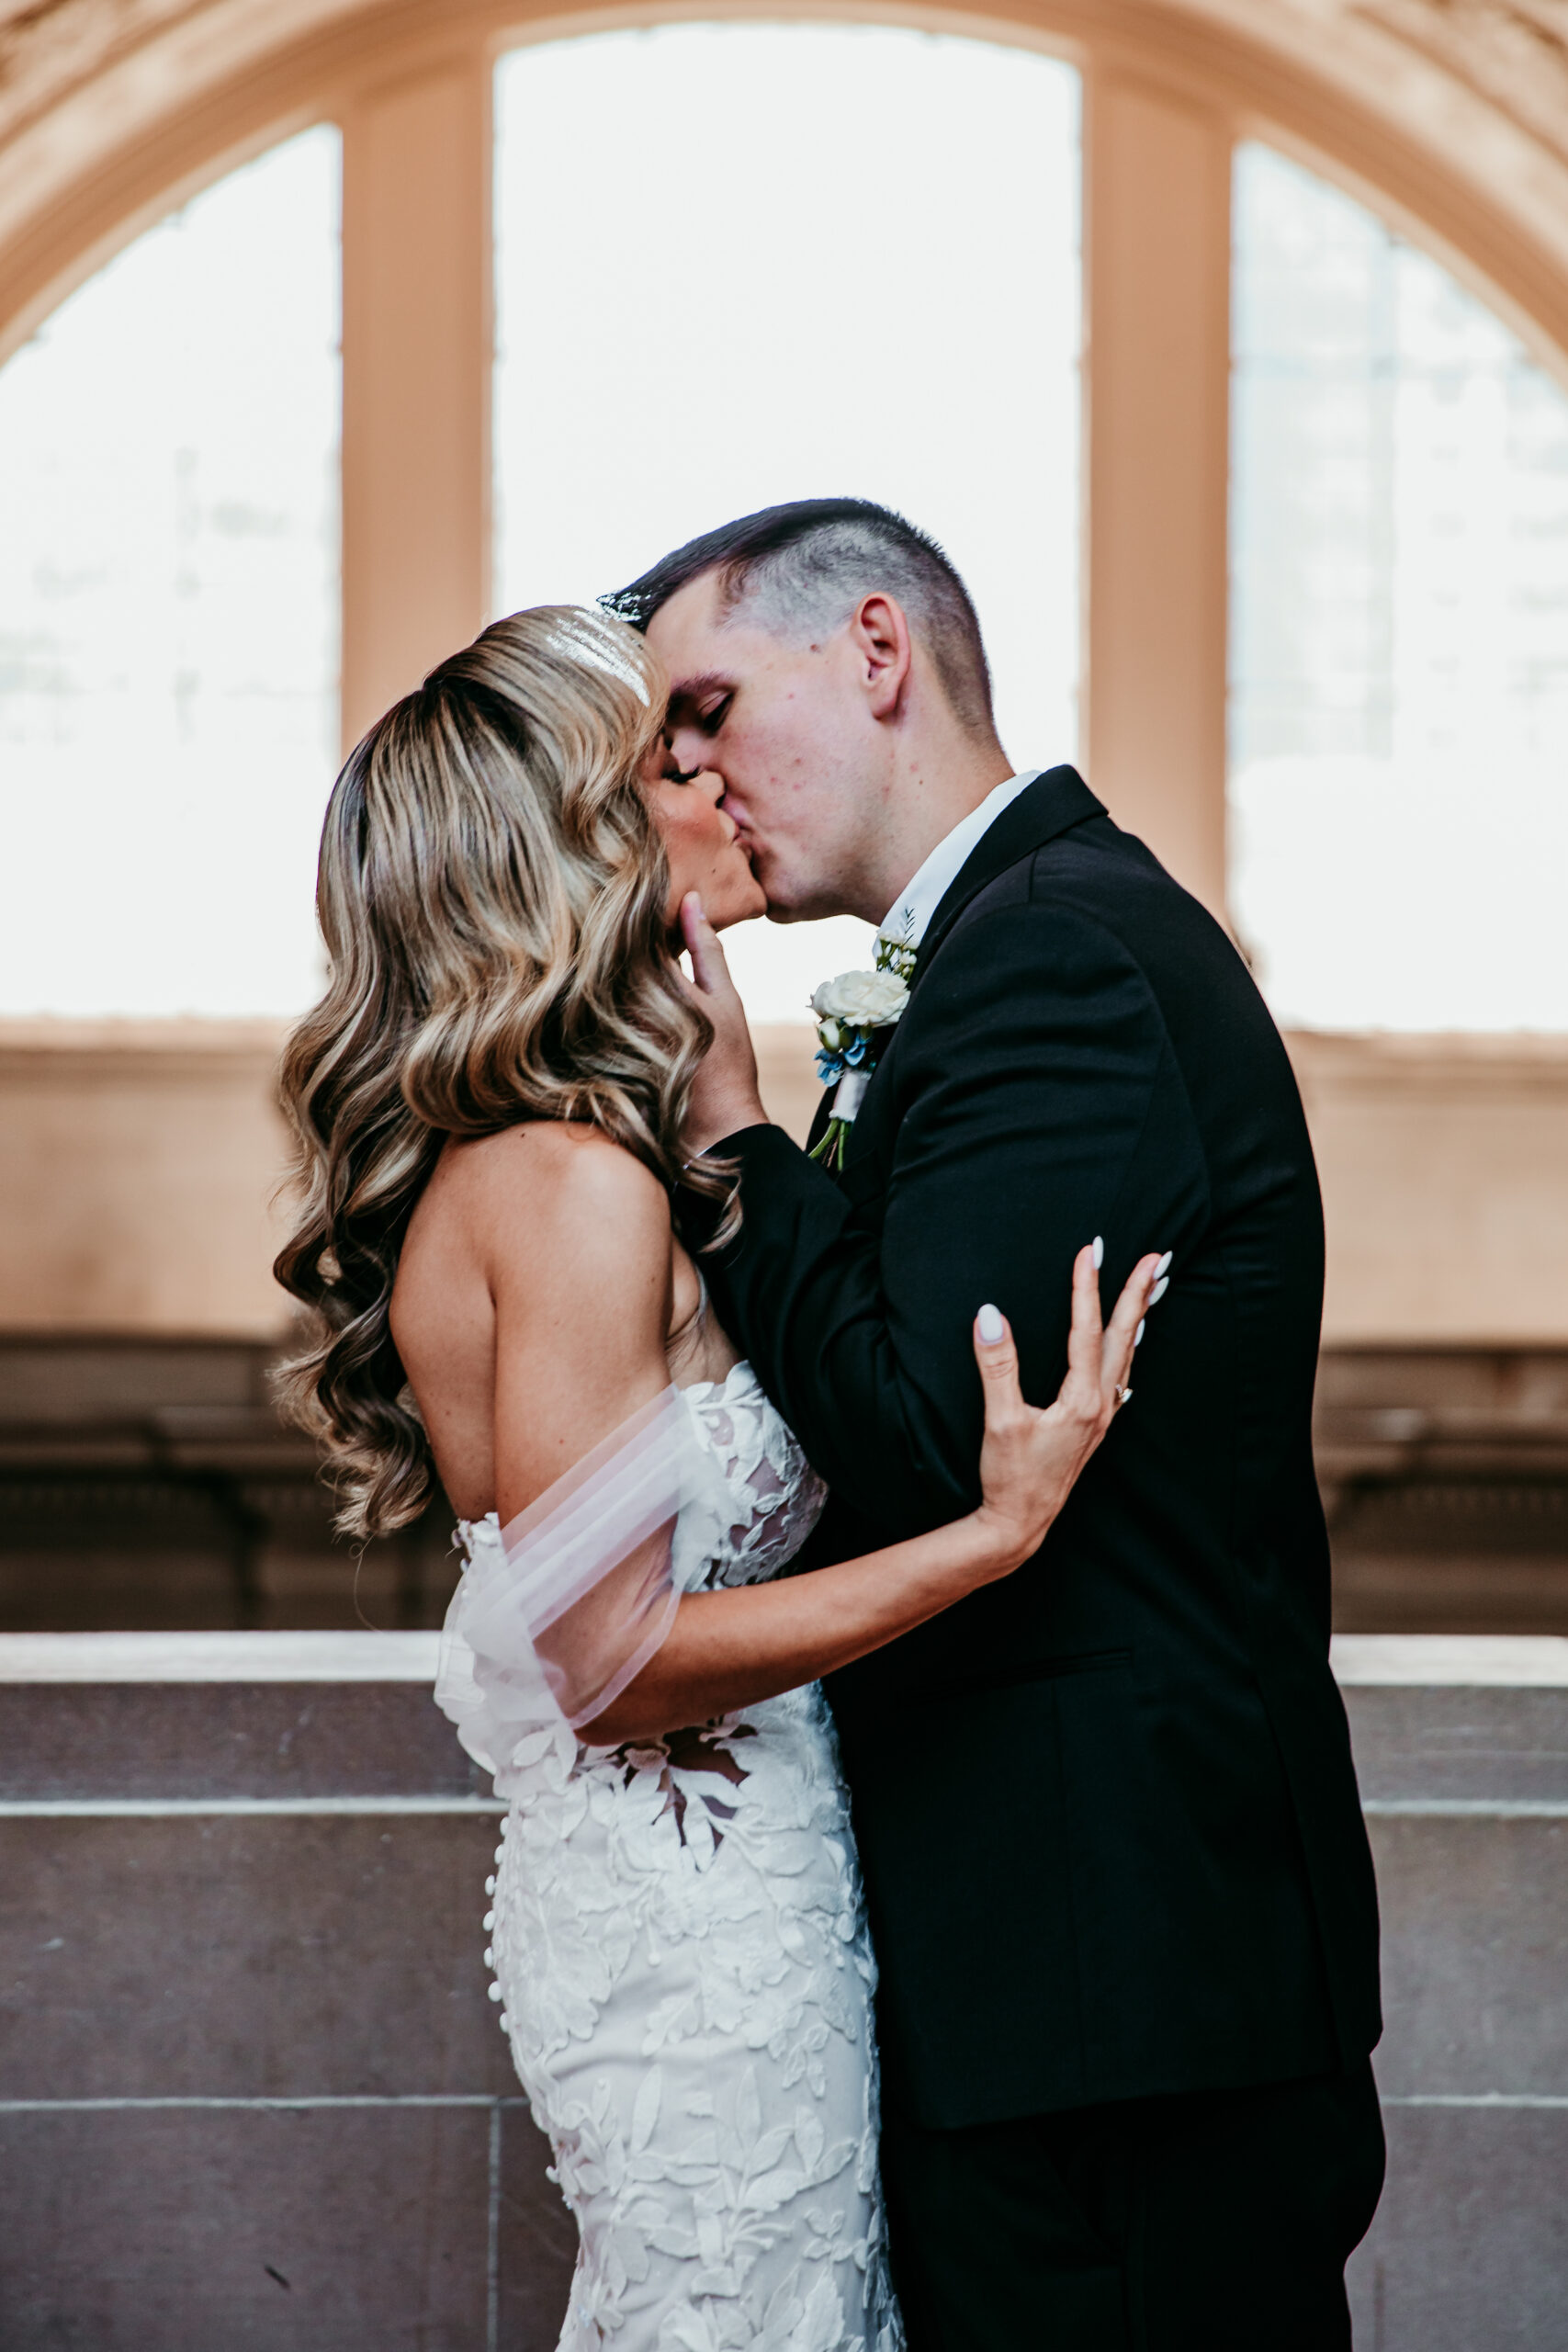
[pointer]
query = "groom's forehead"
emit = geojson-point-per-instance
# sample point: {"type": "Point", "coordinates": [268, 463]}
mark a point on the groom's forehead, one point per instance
{"type": "Point", "coordinates": [687, 626]}
{"type": "Point", "coordinates": [703, 641]}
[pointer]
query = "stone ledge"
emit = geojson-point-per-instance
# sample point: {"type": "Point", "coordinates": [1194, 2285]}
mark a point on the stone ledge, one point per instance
{"type": "Point", "coordinates": [220, 1657]}
{"type": "Point", "coordinates": [1385, 1660]}
{"type": "Point", "coordinates": [1512, 1661]}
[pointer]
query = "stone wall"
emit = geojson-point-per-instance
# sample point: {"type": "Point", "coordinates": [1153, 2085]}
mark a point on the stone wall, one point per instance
{"type": "Point", "coordinates": [252, 2091]}
{"type": "Point", "coordinates": [138, 1164]}
{"type": "Point", "coordinates": [144, 1480]}
{"type": "Point", "coordinates": [146, 1483]}
{"type": "Point", "coordinates": [1462, 1753]}
{"type": "Point", "coordinates": [253, 2094]}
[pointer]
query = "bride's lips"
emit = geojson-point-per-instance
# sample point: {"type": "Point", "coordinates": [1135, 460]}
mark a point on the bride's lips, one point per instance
{"type": "Point", "coordinates": [737, 840]}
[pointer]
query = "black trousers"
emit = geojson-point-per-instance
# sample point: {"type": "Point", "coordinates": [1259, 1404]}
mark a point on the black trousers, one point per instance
{"type": "Point", "coordinates": [1216, 2221]}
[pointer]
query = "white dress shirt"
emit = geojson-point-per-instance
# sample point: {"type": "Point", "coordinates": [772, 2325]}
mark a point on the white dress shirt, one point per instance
{"type": "Point", "coordinates": [907, 918]}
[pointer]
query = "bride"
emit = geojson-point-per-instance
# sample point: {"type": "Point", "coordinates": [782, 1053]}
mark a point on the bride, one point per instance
{"type": "Point", "coordinates": [488, 1103]}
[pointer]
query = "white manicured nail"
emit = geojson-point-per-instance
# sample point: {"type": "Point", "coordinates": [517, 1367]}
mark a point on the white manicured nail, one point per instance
{"type": "Point", "coordinates": [1159, 1290]}
{"type": "Point", "coordinates": [992, 1325]}
{"type": "Point", "coordinates": [1097, 1245]}
{"type": "Point", "coordinates": [1137, 1335]}
{"type": "Point", "coordinates": [1164, 1266]}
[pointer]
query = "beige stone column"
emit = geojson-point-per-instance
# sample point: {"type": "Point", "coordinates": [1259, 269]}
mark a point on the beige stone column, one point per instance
{"type": "Point", "coordinates": [1156, 293]}
{"type": "Point", "coordinates": [416, 378]}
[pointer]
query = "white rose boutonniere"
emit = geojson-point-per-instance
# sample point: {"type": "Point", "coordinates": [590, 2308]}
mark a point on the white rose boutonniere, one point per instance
{"type": "Point", "coordinates": [850, 1009]}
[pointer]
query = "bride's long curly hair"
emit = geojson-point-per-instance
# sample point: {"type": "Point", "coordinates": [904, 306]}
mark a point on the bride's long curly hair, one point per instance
{"type": "Point", "coordinates": [491, 891]}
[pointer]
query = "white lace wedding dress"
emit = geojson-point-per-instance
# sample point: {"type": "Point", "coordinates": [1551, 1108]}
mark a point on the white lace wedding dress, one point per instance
{"type": "Point", "coordinates": [678, 1935]}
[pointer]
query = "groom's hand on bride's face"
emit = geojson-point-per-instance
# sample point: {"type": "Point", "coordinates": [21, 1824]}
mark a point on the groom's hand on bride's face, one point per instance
{"type": "Point", "coordinates": [726, 1096]}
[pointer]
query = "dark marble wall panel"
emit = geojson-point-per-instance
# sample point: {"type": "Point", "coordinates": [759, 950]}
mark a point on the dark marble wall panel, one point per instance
{"type": "Point", "coordinates": [161, 1585]}
{"type": "Point", "coordinates": [239, 2230]}
{"type": "Point", "coordinates": [1475, 1953]}
{"type": "Point", "coordinates": [537, 2240]}
{"type": "Point", "coordinates": [1466, 1742]}
{"type": "Point", "coordinates": [207, 1739]}
{"type": "Point", "coordinates": [1468, 2252]}
{"type": "Point", "coordinates": [246, 1955]}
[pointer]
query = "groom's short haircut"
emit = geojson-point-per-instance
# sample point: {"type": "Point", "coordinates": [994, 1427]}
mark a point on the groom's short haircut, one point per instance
{"type": "Point", "coordinates": [805, 566]}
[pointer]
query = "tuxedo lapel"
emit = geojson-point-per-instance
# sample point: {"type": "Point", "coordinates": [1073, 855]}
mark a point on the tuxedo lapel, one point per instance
{"type": "Point", "coordinates": [1053, 804]}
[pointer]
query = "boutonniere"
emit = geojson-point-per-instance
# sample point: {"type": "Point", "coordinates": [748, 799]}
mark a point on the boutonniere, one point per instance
{"type": "Point", "coordinates": [850, 1011]}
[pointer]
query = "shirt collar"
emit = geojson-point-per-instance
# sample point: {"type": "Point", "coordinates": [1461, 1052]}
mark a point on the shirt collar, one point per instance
{"type": "Point", "coordinates": [907, 918]}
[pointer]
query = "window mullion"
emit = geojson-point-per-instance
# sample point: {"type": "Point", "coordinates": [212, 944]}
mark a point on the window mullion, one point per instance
{"type": "Point", "coordinates": [416, 380]}
{"type": "Point", "coordinates": [1157, 296]}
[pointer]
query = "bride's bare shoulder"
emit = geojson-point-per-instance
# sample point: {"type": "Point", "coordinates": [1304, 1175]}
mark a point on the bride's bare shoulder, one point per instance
{"type": "Point", "coordinates": [552, 1191]}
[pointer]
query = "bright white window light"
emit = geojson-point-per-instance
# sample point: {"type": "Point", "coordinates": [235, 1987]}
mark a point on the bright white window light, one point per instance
{"type": "Point", "coordinates": [1399, 673]}
{"type": "Point", "coordinates": [738, 263]}
{"type": "Point", "coordinates": [169, 610]}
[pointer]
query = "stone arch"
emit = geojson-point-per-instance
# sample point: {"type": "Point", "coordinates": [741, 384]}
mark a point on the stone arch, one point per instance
{"type": "Point", "coordinates": [1450, 119]}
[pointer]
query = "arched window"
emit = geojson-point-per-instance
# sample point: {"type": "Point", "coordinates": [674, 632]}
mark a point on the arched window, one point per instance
{"type": "Point", "coordinates": [886, 299]}
{"type": "Point", "coordinates": [169, 609]}
{"type": "Point", "coordinates": [1399, 681]}
{"type": "Point", "coordinates": [887, 307]}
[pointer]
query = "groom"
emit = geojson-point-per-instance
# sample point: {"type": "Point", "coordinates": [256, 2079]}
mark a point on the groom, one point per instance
{"type": "Point", "coordinates": [1118, 1879]}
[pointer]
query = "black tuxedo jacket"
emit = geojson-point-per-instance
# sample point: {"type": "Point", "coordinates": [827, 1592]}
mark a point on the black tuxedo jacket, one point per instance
{"type": "Point", "coordinates": [1106, 1807]}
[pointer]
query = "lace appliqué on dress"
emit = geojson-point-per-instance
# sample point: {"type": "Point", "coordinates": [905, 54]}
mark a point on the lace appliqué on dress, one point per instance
{"type": "Point", "coordinates": [680, 1943]}
{"type": "Point", "coordinates": [758, 1458]}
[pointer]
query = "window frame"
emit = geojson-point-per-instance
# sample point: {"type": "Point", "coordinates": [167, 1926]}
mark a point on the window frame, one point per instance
{"type": "Point", "coordinates": [1165, 102]}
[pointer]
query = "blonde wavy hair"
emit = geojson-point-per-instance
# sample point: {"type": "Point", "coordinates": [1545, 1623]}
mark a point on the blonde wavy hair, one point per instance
{"type": "Point", "coordinates": [491, 891]}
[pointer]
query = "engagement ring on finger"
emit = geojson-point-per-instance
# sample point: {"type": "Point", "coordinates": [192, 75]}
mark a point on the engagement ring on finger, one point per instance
{"type": "Point", "coordinates": [1123, 1397]}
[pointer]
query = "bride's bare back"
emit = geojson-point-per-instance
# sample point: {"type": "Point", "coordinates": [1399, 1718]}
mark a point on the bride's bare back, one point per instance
{"type": "Point", "coordinates": [541, 1299]}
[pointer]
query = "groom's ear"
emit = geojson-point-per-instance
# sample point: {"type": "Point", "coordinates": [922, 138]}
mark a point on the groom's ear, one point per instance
{"type": "Point", "coordinates": [879, 632]}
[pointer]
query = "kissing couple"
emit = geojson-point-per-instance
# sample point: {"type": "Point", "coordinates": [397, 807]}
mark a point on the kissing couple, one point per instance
{"type": "Point", "coordinates": [933, 1907]}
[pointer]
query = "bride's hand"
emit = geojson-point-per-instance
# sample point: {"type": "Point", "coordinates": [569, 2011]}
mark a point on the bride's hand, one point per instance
{"type": "Point", "coordinates": [725, 1096]}
{"type": "Point", "coordinates": [1029, 1460]}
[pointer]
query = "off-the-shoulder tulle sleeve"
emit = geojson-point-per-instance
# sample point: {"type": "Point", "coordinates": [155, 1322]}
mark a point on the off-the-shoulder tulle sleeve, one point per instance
{"type": "Point", "coordinates": [559, 1612]}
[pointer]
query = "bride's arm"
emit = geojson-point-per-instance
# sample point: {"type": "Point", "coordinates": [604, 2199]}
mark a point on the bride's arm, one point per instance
{"type": "Point", "coordinates": [730, 1649]}
{"type": "Point", "coordinates": [579, 1273]}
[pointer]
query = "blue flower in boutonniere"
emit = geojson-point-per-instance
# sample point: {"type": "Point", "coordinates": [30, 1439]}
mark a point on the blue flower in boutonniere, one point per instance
{"type": "Point", "coordinates": [850, 1011]}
